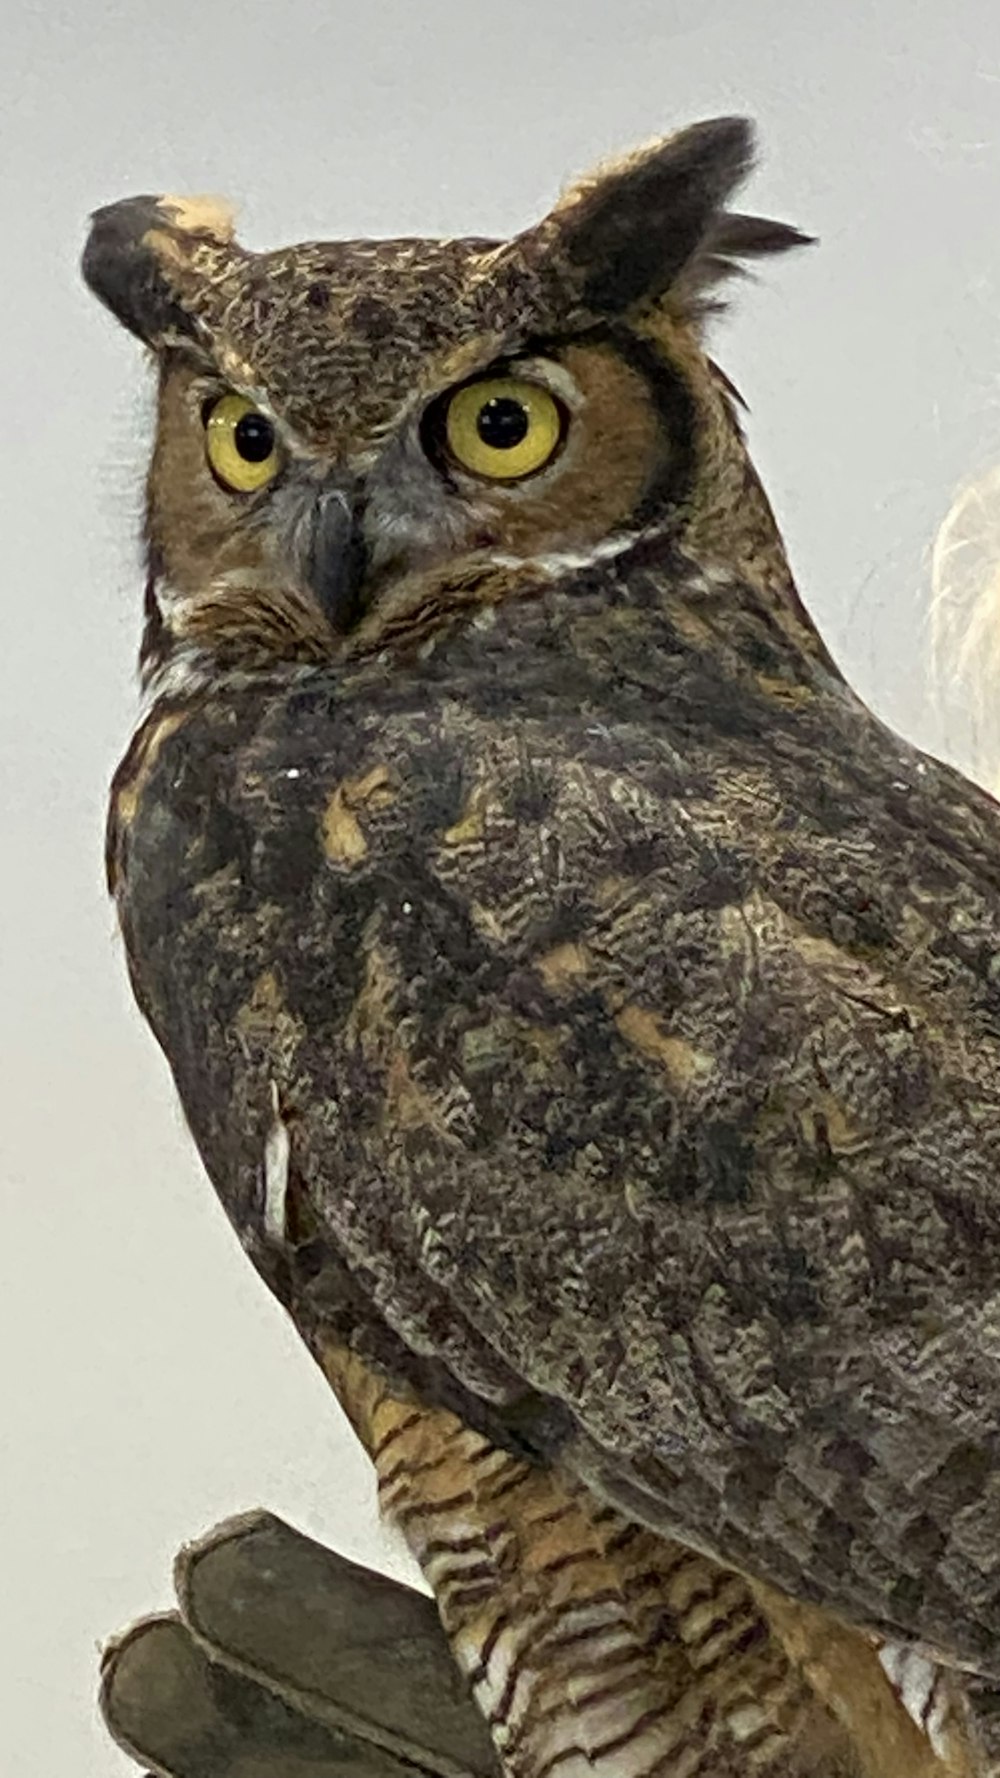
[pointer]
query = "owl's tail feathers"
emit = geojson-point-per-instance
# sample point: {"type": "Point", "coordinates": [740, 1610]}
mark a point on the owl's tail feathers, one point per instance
{"type": "Point", "coordinates": [285, 1657]}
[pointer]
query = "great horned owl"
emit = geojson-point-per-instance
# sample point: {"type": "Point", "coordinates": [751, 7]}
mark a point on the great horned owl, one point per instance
{"type": "Point", "coordinates": [587, 1011]}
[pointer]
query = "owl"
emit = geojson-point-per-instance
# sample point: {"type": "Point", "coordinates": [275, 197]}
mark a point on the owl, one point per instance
{"type": "Point", "coordinates": [586, 1010]}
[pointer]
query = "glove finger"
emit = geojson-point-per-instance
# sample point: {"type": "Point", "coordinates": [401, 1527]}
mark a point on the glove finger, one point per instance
{"type": "Point", "coordinates": [183, 1715]}
{"type": "Point", "coordinates": [353, 1647]}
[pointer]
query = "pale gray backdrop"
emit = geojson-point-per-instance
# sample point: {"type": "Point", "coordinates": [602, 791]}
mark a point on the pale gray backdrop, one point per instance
{"type": "Point", "coordinates": [149, 1386]}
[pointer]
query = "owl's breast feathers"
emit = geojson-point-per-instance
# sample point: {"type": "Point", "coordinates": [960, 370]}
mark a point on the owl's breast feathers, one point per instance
{"type": "Point", "coordinates": [593, 1020]}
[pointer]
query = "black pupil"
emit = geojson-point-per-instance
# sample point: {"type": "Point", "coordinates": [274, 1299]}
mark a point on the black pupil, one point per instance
{"type": "Point", "coordinates": [254, 438]}
{"type": "Point", "coordinates": [502, 422]}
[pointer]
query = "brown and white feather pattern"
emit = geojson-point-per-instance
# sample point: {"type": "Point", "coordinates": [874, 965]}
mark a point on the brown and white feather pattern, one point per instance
{"type": "Point", "coordinates": [596, 1649]}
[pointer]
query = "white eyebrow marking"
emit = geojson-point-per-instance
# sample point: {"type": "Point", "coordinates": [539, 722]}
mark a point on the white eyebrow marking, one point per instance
{"type": "Point", "coordinates": [565, 561]}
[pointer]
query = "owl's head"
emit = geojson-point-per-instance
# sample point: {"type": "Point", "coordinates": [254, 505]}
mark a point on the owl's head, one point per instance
{"type": "Point", "coordinates": [338, 418]}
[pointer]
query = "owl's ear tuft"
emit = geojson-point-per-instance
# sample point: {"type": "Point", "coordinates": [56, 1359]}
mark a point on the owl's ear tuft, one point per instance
{"type": "Point", "coordinates": [136, 247]}
{"type": "Point", "coordinates": [656, 223]}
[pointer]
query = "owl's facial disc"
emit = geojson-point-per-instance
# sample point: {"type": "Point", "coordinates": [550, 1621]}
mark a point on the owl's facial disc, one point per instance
{"type": "Point", "coordinates": [528, 454]}
{"type": "Point", "coordinates": [523, 457]}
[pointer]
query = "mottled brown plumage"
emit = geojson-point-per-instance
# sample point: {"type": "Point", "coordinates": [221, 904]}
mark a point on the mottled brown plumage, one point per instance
{"type": "Point", "coordinates": [585, 1008]}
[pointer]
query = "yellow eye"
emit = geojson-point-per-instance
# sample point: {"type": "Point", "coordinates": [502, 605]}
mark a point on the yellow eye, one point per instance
{"type": "Point", "coordinates": [240, 444]}
{"type": "Point", "coordinates": [503, 428]}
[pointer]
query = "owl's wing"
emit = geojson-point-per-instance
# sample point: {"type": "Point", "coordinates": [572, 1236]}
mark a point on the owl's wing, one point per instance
{"type": "Point", "coordinates": [613, 1056]}
{"type": "Point", "coordinates": [284, 1656]}
{"type": "Point", "coordinates": [675, 1123]}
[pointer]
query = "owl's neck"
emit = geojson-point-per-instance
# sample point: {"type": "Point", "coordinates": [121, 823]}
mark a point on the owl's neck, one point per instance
{"type": "Point", "coordinates": [240, 630]}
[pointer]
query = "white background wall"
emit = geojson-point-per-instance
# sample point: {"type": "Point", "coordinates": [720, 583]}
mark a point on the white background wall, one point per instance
{"type": "Point", "coordinates": [147, 1384]}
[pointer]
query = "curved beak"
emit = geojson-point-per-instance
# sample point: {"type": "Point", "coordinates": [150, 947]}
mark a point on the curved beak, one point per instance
{"type": "Point", "coordinates": [335, 556]}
